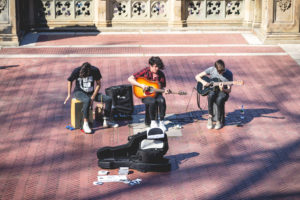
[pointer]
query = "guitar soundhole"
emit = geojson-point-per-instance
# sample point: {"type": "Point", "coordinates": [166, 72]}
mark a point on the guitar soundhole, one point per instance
{"type": "Point", "coordinates": [149, 91]}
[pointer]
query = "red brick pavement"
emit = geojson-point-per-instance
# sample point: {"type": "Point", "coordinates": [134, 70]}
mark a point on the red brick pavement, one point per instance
{"type": "Point", "coordinates": [41, 159]}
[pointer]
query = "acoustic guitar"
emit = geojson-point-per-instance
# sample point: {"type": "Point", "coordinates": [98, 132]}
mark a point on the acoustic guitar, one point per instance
{"type": "Point", "coordinates": [213, 85]}
{"type": "Point", "coordinates": [153, 89]}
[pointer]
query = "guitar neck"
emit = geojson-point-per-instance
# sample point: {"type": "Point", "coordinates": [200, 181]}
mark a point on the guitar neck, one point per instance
{"type": "Point", "coordinates": [224, 83]}
{"type": "Point", "coordinates": [158, 90]}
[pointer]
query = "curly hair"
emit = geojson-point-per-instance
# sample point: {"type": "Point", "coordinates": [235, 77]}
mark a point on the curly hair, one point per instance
{"type": "Point", "coordinates": [85, 70]}
{"type": "Point", "coordinates": [156, 60]}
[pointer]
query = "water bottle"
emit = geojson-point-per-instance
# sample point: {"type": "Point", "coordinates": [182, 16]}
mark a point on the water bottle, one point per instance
{"type": "Point", "coordinates": [242, 115]}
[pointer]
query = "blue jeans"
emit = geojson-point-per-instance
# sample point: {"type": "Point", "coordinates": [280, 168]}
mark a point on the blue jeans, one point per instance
{"type": "Point", "coordinates": [86, 100]}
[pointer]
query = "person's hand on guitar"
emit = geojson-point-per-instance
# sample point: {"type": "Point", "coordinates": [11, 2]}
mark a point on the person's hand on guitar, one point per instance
{"type": "Point", "coordinates": [204, 84]}
{"type": "Point", "coordinates": [221, 86]}
{"type": "Point", "coordinates": [145, 87]}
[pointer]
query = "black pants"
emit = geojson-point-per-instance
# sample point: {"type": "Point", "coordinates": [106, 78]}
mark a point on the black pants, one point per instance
{"type": "Point", "coordinates": [154, 103]}
{"type": "Point", "coordinates": [219, 98]}
{"type": "Point", "coordinates": [86, 100]}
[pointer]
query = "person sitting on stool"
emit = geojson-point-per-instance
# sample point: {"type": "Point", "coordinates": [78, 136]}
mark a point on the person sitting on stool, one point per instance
{"type": "Point", "coordinates": [219, 96]}
{"type": "Point", "coordinates": [84, 91]}
{"type": "Point", "coordinates": [153, 73]}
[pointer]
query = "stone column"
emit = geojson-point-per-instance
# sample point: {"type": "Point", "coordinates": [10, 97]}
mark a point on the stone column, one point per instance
{"type": "Point", "coordinates": [8, 28]}
{"type": "Point", "coordinates": [102, 12]}
{"type": "Point", "coordinates": [248, 12]}
{"type": "Point", "coordinates": [280, 21]}
{"type": "Point", "coordinates": [176, 13]}
{"type": "Point", "coordinates": [257, 14]}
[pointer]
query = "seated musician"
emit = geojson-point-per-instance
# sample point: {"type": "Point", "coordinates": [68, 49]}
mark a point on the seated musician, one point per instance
{"type": "Point", "coordinates": [85, 90]}
{"type": "Point", "coordinates": [153, 73]}
{"type": "Point", "coordinates": [219, 95]}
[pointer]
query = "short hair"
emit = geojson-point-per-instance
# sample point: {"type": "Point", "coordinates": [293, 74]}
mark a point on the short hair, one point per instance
{"type": "Point", "coordinates": [85, 70]}
{"type": "Point", "coordinates": [219, 64]}
{"type": "Point", "coordinates": [156, 60]}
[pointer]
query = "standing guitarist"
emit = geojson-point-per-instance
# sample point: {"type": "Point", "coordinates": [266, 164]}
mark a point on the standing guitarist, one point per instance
{"type": "Point", "coordinates": [218, 95]}
{"type": "Point", "coordinates": [153, 73]}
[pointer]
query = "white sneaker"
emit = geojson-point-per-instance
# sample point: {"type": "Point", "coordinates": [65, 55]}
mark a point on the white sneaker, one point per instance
{"type": "Point", "coordinates": [209, 123]}
{"type": "Point", "coordinates": [153, 124]}
{"type": "Point", "coordinates": [162, 126]}
{"type": "Point", "coordinates": [107, 124]}
{"type": "Point", "coordinates": [86, 128]}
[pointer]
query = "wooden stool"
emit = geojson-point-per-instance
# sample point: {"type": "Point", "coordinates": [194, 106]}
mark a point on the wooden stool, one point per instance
{"type": "Point", "coordinates": [77, 115]}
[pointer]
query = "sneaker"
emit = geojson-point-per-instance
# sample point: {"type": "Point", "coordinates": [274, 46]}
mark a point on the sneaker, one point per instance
{"type": "Point", "coordinates": [86, 128]}
{"type": "Point", "coordinates": [209, 123]}
{"type": "Point", "coordinates": [218, 125]}
{"type": "Point", "coordinates": [162, 126]}
{"type": "Point", "coordinates": [107, 124]}
{"type": "Point", "coordinates": [153, 124]}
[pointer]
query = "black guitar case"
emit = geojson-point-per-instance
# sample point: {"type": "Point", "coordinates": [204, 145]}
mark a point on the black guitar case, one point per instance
{"type": "Point", "coordinates": [136, 155]}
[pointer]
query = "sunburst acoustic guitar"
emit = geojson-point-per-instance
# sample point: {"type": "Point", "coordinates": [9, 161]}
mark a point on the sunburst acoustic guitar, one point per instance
{"type": "Point", "coordinates": [153, 89]}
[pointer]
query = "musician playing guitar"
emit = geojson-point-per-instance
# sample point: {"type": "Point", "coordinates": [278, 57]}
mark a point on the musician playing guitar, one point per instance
{"type": "Point", "coordinates": [218, 95]}
{"type": "Point", "coordinates": [153, 73]}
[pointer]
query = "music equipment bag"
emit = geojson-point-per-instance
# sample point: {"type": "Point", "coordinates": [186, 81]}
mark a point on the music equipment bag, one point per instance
{"type": "Point", "coordinates": [122, 98]}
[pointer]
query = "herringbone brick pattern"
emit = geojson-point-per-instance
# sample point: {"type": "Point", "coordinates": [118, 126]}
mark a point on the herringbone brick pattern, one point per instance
{"type": "Point", "coordinates": [41, 159]}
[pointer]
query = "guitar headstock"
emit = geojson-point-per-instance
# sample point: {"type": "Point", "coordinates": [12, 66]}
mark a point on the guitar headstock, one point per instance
{"type": "Point", "coordinates": [238, 82]}
{"type": "Point", "coordinates": [182, 93]}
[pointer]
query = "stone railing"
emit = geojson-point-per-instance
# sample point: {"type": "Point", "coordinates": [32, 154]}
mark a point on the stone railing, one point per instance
{"type": "Point", "coordinates": [65, 10]}
{"type": "Point", "coordinates": [139, 12]}
{"type": "Point", "coordinates": [139, 9]}
{"type": "Point", "coordinates": [214, 9]}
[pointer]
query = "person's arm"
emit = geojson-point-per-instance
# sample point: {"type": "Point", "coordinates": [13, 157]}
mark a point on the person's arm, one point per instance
{"type": "Point", "coordinates": [69, 91]}
{"type": "Point", "coordinates": [133, 81]}
{"type": "Point", "coordinates": [199, 76]}
{"type": "Point", "coordinates": [98, 86]}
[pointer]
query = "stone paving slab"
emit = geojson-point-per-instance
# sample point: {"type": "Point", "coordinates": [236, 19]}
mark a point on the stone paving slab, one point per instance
{"type": "Point", "coordinates": [171, 122]}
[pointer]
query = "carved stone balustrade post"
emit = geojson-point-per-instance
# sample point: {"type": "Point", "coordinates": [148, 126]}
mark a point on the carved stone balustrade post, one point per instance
{"type": "Point", "coordinates": [176, 13]}
{"type": "Point", "coordinates": [257, 14]}
{"type": "Point", "coordinates": [8, 28]}
{"type": "Point", "coordinates": [102, 18]}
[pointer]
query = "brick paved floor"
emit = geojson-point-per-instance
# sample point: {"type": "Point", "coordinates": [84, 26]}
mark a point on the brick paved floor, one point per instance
{"type": "Point", "coordinates": [41, 159]}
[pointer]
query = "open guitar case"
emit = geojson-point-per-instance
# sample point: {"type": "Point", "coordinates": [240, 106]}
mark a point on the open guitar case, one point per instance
{"type": "Point", "coordinates": [144, 152]}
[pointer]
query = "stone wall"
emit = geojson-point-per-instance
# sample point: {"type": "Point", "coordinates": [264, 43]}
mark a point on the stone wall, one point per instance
{"type": "Point", "coordinates": [272, 20]}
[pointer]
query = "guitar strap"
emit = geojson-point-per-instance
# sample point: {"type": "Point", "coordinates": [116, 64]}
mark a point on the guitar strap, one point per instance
{"type": "Point", "coordinates": [198, 100]}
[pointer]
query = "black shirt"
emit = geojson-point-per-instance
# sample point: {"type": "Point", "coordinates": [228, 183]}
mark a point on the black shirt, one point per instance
{"type": "Point", "coordinates": [86, 84]}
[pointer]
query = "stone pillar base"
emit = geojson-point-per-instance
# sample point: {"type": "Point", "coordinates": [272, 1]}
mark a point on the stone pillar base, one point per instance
{"type": "Point", "coordinates": [276, 38]}
{"type": "Point", "coordinates": [104, 24]}
{"type": "Point", "coordinates": [9, 40]}
{"type": "Point", "coordinates": [177, 24]}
